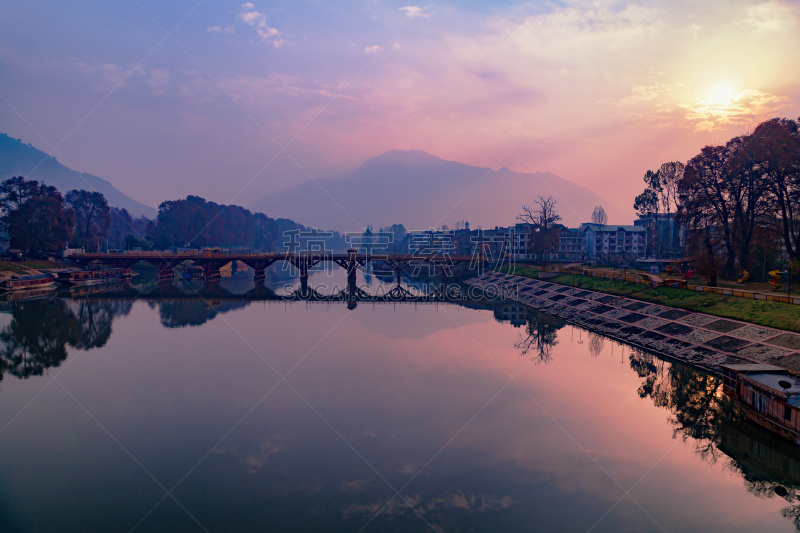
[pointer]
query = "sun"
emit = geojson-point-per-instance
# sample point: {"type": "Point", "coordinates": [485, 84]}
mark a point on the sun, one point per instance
{"type": "Point", "coordinates": [722, 94]}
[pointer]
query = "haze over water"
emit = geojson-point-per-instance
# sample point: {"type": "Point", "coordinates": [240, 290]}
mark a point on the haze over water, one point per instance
{"type": "Point", "coordinates": [188, 415]}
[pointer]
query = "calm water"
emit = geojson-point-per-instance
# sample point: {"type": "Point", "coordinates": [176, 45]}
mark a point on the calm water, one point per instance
{"type": "Point", "coordinates": [223, 415]}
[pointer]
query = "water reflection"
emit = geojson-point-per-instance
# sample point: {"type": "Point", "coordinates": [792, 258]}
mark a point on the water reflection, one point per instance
{"type": "Point", "coordinates": [283, 462]}
{"type": "Point", "coordinates": [768, 464]}
{"type": "Point", "coordinates": [541, 335]}
{"type": "Point", "coordinates": [40, 331]}
{"type": "Point", "coordinates": [194, 312]}
{"type": "Point", "coordinates": [693, 398]}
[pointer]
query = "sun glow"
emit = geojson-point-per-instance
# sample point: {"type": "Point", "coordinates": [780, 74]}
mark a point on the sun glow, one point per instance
{"type": "Point", "coordinates": [722, 94]}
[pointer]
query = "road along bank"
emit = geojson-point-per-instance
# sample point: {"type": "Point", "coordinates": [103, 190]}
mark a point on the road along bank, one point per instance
{"type": "Point", "coordinates": [699, 339]}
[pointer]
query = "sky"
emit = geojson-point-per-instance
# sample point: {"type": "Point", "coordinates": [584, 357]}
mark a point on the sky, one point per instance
{"type": "Point", "coordinates": [232, 100]}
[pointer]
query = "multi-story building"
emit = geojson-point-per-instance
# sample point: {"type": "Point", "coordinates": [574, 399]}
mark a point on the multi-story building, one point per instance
{"type": "Point", "coordinates": [571, 245]}
{"type": "Point", "coordinates": [609, 242]}
{"type": "Point", "coordinates": [665, 236]}
{"type": "Point", "coordinates": [589, 242]}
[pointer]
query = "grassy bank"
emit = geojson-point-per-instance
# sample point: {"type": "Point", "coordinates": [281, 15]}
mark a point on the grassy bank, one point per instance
{"type": "Point", "coordinates": [9, 266]}
{"type": "Point", "coordinates": [770, 314]}
{"type": "Point", "coordinates": [26, 267]}
{"type": "Point", "coordinates": [520, 270]}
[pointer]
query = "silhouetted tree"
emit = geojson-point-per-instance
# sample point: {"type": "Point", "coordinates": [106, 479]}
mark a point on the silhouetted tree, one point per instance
{"type": "Point", "coordinates": [15, 191]}
{"type": "Point", "coordinates": [35, 216]}
{"type": "Point", "coordinates": [542, 220]}
{"type": "Point", "coordinates": [775, 145]}
{"type": "Point", "coordinates": [92, 217]}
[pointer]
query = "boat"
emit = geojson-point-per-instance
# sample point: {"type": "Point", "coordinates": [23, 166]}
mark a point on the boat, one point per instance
{"type": "Point", "coordinates": [34, 281]}
{"type": "Point", "coordinates": [93, 277]}
{"type": "Point", "coordinates": [192, 272]}
{"type": "Point", "coordinates": [769, 395]}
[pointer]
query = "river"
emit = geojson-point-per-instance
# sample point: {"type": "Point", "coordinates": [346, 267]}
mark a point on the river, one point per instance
{"type": "Point", "coordinates": [167, 414]}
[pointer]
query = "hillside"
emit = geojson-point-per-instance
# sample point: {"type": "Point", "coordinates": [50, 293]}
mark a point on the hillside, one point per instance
{"type": "Point", "coordinates": [421, 190]}
{"type": "Point", "coordinates": [20, 159]}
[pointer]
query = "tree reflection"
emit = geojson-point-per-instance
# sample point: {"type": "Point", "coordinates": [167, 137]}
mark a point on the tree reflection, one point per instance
{"type": "Point", "coordinates": [693, 398]}
{"type": "Point", "coordinates": [768, 464]}
{"type": "Point", "coordinates": [180, 313]}
{"type": "Point", "coordinates": [596, 343]}
{"type": "Point", "coordinates": [40, 330]}
{"type": "Point", "coordinates": [541, 333]}
{"type": "Point", "coordinates": [94, 320]}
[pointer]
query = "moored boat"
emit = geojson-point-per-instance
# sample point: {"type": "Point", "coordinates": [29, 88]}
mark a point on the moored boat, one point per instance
{"type": "Point", "coordinates": [768, 394]}
{"type": "Point", "coordinates": [35, 281]}
{"type": "Point", "coordinates": [92, 277]}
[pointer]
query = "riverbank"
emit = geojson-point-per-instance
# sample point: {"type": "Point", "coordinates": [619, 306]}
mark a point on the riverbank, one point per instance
{"type": "Point", "coordinates": [697, 338]}
{"type": "Point", "coordinates": [732, 304]}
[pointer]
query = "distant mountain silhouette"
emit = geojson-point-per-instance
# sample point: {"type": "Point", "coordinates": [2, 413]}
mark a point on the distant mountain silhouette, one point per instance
{"type": "Point", "coordinates": [421, 190]}
{"type": "Point", "coordinates": [20, 159]}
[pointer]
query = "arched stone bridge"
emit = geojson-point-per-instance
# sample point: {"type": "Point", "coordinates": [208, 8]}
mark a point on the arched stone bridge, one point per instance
{"type": "Point", "coordinates": [212, 261]}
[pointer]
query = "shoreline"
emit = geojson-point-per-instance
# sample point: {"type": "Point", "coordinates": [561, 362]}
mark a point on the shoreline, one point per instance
{"type": "Point", "coordinates": [697, 339]}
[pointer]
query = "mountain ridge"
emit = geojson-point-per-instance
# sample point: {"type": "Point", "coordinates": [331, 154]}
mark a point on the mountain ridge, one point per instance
{"type": "Point", "coordinates": [20, 159]}
{"type": "Point", "coordinates": [421, 190]}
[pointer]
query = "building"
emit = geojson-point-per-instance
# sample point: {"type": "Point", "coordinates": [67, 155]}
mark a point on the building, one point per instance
{"type": "Point", "coordinates": [589, 242]}
{"type": "Point", "coordinates": [614, 243]}
{"type": "Point", "coordinates": [665, 236]}
{"type": "Point", "coordinates": [571, 246]}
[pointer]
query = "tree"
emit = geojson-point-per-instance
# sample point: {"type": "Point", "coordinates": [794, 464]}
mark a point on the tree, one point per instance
{"type": "Point", "coordinates": [542, 220]}
{"type": "Point", "coordinates": [15, 191]}
{"type": "Point", "coordinates": [265, 231]}
{"type": "Point", "coordinates": [725, 191]}
{"type": "Point", "coordinates": [599, 215]}
{"type": "Point", "coordinates": [647, 202]}
{"type": "Point", "coordinates": [92, 217]}
{"type": "Point", "coordinates": [705, 191]}
{"type": "Point", "coordinates": [775, 144]}
{"type": "Point", "coordinates": [669, 177]}
{"type": "Point", "coordinates": [749, 197]}
{"type": "Point", "coordinates": [34, 215]}
{"type": "Point", "coordinates": [398, 235]}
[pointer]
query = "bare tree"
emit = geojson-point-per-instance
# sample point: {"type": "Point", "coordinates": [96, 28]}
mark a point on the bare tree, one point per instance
{"type": "Point", "coordinates": [542, 216]}
{"type": "Point", "coordinates": [599, 215]}
{"type": "Point", "coordinates": [670, 175]}
{"type": "Point", "coordinates": [542, 220]}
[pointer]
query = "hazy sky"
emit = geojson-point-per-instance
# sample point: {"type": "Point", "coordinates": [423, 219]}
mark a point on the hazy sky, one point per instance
{"type": "Point", "coordinates": [231, 100]}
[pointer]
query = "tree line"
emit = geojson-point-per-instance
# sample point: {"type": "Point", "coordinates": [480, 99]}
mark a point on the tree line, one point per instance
{"type": "Point", "coordinates": [739, 202]}
{"type": "Point", "coordinates": [39, 219]}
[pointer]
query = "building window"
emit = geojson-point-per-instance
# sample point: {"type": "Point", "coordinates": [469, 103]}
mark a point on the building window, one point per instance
{"type": "Point", "coordinates": [787, 412]}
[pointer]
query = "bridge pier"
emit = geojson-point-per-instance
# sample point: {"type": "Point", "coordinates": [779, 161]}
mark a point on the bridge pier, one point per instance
{"type": "Point", "coordinates": [303, 277]}
{"type": "Point", "coordinates": [260, 274]}
{"type": "Point", "coordinates": [352, 270]}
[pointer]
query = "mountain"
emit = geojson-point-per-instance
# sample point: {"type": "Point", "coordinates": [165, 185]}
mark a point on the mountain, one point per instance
{"type": "Point", "coordinates": [20, 159]}
{"type": "Point", "coordinates": [421, 190]}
